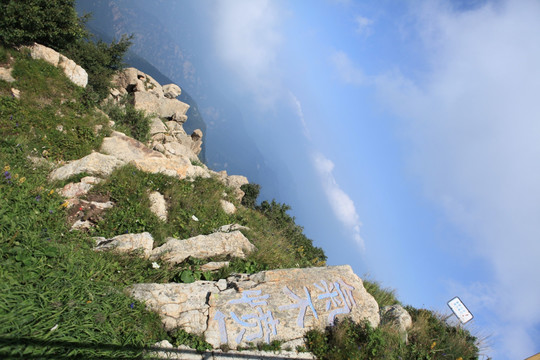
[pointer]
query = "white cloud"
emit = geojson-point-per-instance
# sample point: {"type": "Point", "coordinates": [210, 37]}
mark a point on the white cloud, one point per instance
{"type": "Point", "coordinates": [363, 25]}
{"type": "Point", "coordinates": [473, 133]}
{"type": "Point", "coordinates": [297, 105]}
{"type": "Point", "coordinates": [346, 70]}
{"type": "Point", "coordinates": [247, 39]}
{"type": "Point", "coordinates": [342, 205]}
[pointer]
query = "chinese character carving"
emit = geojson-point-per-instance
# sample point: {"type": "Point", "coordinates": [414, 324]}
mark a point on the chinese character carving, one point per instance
{"type": "Point", "coordinates": [300, 303]}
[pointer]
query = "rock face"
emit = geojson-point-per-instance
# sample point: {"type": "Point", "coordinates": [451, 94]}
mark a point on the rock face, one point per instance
{"type": "Point", "coordinates": [204, 246]}
{"type": "Point", "coordinates": [398, 318]}
{"type": "Point", "coordinates": [165, 350]}
{"type": "Point", "coordinates": [95, 164]}
{"type": "Point", "coordinates": [74, 72]}
{"type": "Point", "coordinates": [127, 243]}
{"type": "Point", "coordinates": [270, 305]}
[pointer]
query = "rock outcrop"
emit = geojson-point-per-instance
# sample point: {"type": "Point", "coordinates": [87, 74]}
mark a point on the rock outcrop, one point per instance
{"type": "Point", "coordinates": [127, 243]}
{"type": "Point", "coordinates": [94, 164]}
{"type": "Point", "coordinates": [270, 305]}
{"type": "Point", "coordinates": [74, 72]}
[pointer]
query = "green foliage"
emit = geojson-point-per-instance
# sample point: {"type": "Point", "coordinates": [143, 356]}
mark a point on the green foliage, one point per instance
{"type": "Point", "coordinates": [3, 55]}
{"type": "Point", "coordinates": [430, 338]}
{"type": "Point", "coordinates": [251, 193]}
{"type": "Point", "coordinates": [133, 122]}
{"type": "Point", "coordinates": [182, 337]}
{"type": "Point", "coordinates": [53, 23]}
{"type": "Point", "coordinates": [383, 296]}
{"type": "Point", "coordinates": [303, 246]}
{"type": "Point", "coordinates": [101, 61]}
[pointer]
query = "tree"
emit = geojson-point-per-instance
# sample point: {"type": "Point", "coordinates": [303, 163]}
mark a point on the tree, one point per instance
{"type": "Point", "coordinates": [53, 23]}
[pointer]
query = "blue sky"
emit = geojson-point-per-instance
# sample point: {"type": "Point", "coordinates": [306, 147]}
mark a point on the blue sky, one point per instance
{"type": "Point", "coordinates": [405, 135]}
{"type": "Point", "coordinates": [409, 135]}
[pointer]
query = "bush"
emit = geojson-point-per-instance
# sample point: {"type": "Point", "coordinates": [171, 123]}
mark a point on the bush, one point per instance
{"type": "Point", "coordinates": [53, 23]}
{"type": "Point", "coordinates": [133, 122]}
{"type": "Point", "coordinates": [251, 193]}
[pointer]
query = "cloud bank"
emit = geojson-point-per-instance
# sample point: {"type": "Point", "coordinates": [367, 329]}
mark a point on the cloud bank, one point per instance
{"type": "Point", "coordinates": [341, 204]}
{"type": "Point", "coordinates": [472, 126]}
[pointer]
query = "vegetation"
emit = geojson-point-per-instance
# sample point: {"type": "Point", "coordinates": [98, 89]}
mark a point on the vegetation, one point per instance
{"type": "Point", "coordinates": [134, 123]}
{"type": "Point", "coordinates": [383, 296]}
{"type": "Point", "coordinates": [429, 339]}
{"type": "Point", "coordinates": [53, 23]}
{"type": "Point", "coordinates": [59, 298]}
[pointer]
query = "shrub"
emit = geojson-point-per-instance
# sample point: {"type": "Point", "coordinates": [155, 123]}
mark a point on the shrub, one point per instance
{"type": "Point", "coordinates": [383, 296]}
{"type": "Point", "coordinates": [251, 193]}
{"type": "Point", "coordinates": [52, 23]}
{"type": "Point", "coordinates": [133, 122]}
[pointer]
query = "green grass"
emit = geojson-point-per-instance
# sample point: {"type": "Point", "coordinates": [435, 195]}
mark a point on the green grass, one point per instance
{"type": "Point", "coordinates": [383, 296]}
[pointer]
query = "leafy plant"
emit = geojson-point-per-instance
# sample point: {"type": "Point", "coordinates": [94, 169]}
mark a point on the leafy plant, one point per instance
{"type": "Point", "coordinates": [251, 193]}
{"type": "Point", "coordinates": [134, 123]}
{"type": "Point", "coordinates": [182, 337]}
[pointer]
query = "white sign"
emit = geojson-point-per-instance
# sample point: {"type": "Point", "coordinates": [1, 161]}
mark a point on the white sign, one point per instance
{"type": "Point", "coordinates": [460, 310]}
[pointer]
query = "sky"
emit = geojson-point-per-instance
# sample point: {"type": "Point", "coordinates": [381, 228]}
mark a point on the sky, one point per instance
{"type": "Point", "coordinates": [405, 137]}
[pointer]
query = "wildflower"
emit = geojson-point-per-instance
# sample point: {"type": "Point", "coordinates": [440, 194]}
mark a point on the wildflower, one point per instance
{"type": "Point", "coordinates": [7, 168]}
{"type": "Point", "coordinates": [132, 305]}
{"type": "Point", "coordinates": [38, 198]}
{"type": "Point", "coordinates": [54, 327]}
{"type": "Point", "coordinates": [433, 345]}
{"type": "Point", "coordinates": [50, 193]}
{"type": "Point", "coordinates": [50, 211]}
{"type": "Point", "coordinates": [194, 218]}
{"type": "Point", "coordinates": [89, 301]}
{"type": "Point", "coordinates": [21, 180]}
{"type": "Point", "coordinates": [7, 175]}
{"type": "Point", "coordinates": [459, 358]}
{"type": "Point", "coordinates": [65, 204]}
{"type": "Point", "coordinates": [155, 265]}
{"type": "Point", "coordinates": [16, 176]}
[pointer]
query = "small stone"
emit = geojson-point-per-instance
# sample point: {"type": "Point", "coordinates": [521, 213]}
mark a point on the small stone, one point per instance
{"type": "Point", "coordinates": [16, 93]}
{"type": "Point", "coordinates": [158, 205]}
{"type": "Point", "coordinates": [228, 207]}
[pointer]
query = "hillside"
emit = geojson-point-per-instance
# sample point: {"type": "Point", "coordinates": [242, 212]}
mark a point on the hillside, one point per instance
{"type": "Point", "coordinates": [118, 243]}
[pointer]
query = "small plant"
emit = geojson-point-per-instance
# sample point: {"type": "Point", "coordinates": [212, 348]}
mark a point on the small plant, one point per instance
{"type": "Point", "coordinates": [182, 337]}
{"type": "Point", "coordinates": [134, 123]}
{"type": "Point", "coordinates": [383, 296]}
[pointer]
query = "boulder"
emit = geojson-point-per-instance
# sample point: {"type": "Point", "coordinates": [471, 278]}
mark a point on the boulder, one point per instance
{"type": "Point", "coordinates": [127, 149]}
{"type": "Point", "coordinates": [157, 126]}
{"type": "Point", "coordinates": [94, 164]}
{"type": "Point", "coordinates": [5, 74]}
{"type": "Point", "coordinates": [227, 206]}
{"type": "Point", "coordinates": [196, 138]}
{"type": "Point", "coordinates": [127, 243]}
{"type": "Point", "coordinates": [270, 305]}
{"type": "Point", "coordinates": [233, 244]}
{"type": "Point", "coordinates": [171, 91]}
{"type": "Point", "coordinates": [397, 317]}
{"type": "Point", "coordinates": [75, 190]}
{"type": "Point", "coordinates": [74, 72]}
{"type": "Point", "coordinates": [158, 205]}
{"type": "Point", "coordinates": [162, 107]}
{"type": "Point", "coordinates": [177, 167]}
{"type": "Point", "coordinates": [165, 350]}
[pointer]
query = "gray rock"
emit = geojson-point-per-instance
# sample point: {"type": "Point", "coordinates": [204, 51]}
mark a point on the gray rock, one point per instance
{"type": "Point", "coordinates": [157, 126]}
{"type": "Point", "coordinates": [127, 243]}
{"type": "Point", "coordinates": [74, 72]}
{"type": "Point", "coordinates": [5, 74]}
{"type": "Point", "coordinates": [75, 190]}
{"type": "Point", "coordinates": [228, 207]}
{"type": "Point", "coordinates": [162, 107]}
{"type": "Point", "coordinates": [397, 317]}
{"type": "Point", "coordinates": [95, 164]}
{"type": "Point", "coordinates": [270, 305]}
{"type": "Point", "coordinates": [175, 251]}
{"type": "Point", "coordinates": [158, 205]}
{"type": "Point", "coordinates": [171, 91]}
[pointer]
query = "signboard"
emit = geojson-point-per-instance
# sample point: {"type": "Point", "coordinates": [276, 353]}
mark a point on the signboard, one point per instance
{"type": "Point", "coordinates": [460, 310]}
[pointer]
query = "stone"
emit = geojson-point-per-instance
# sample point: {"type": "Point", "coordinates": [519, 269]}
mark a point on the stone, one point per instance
{"type": "Point", "coordinates": [179, 118]}
{"type": "Point", "coordinates": [197, 135]}
{"type": "Point", "coordinates": [234, 182]}
{"type": "Point", "coordinates": [228, 207]}
{"type": "Point", "coordinates": [158, 205]}
{"type": "Point", "coordinates": [176, 167]}
{"type": "Point", "coordinates": [175, 251]}
{"type": "Point", "coordinates": [172, 107]}
{"type": "Point", "coordinates": [214, 265]}
{"type": "Point", "coordinates": [75, 190]}
{"type": "Point", "coordinates": [232, 227]}
{"type": "Point", "coordinates": [74, 72]}
{"type": "Point", "coordinates": [127, 243]}
{"type": "Point", "coordinates": [196, 138]}
{"type": "Point", "coordinates": [5, 74]}
{"type": "Point", "coordinates": [127, 149]}
{"type": "Point", "coordinates": [195, 171]}
{"type": "Point", "coordinates": [162, 107]}
{"type": "Point", "coordinates": [82, 225]}
{"type": "Point", "coordinates": [398, 318]}
{"type": "Point", "coordinates": [165, 350]}
{"type": "Point", "coordinates": [171, 91]}
{"type": "Point", "coordinates": [94, 164]}
{"type": "Point", "coordinates": [271, 305]}
{"type": "Point", "coordinates": [16, 93]}
{"type": "Point", "coordinates": [157, 126]}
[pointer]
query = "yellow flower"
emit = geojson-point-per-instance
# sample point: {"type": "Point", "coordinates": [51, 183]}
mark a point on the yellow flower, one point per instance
{"type": "Point", "coordinates": [433, 345]}
{"type": "Point", "coordinates": [459, 358]}
{"type": "Point", "coordinates": [21, 180]}
{"type": "Point", "coordinates": [16, 176]}
{"type": "Point", "coordinates": [51, 192]}
{"type": "Point", "coordinates": [7, 168]}
{"type": "Point", "coordinates": [65, 204]}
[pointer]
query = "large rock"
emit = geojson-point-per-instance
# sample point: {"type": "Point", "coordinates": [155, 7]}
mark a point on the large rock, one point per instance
{"type": "Point", "coordinates": [73, 71]}
{"type": "Point", "coordinates": [5, 74]}
{"type": "Point", "coordinates": [233, 244]}
{"type": "Point", "coordinates": [162, 107]}
{"type": "Point", "coordinates": [145, 159]}
{"type": "Point", "coordinates": [171, 91]}
{"type": "Point", "coordinates": [94, 164]}
{"type": "Point", "coordinates": [398, 318]}
{"type": "Point", "coordinates": [165, 350]}
{"type": "Point", "coordinates": [270, 305]}
{"type": "Point", "coordinates": [127, 243]}
{"type": "Point", "coordinates": [75, 190]}
{"type": "Point", "coordinates": [158, 205]}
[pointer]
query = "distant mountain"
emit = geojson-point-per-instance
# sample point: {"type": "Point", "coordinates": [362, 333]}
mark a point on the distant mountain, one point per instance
{"type": "Point", "coordinates": [172, 51]}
